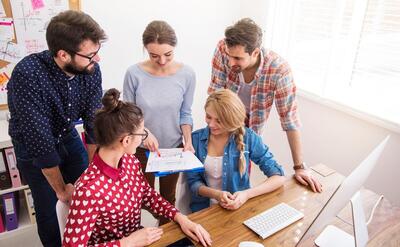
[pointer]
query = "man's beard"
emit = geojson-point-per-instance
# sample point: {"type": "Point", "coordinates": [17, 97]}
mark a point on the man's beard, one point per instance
{"type": "Point", "coordinates": [73, 69]}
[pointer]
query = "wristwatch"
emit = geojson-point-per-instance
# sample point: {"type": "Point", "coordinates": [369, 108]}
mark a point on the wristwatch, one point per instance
{"type": "Point", "coordinates": [302, 165]}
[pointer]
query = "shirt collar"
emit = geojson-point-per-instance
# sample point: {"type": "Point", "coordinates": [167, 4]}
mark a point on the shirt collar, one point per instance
{"type": "Point", "coordinates": [261, 65]}
{"type": "Point", "coordinates": [111, 172]}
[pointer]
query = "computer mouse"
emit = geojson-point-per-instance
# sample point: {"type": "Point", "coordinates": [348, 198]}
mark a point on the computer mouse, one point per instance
{"type": "Point", "coordinates": [250, 244]}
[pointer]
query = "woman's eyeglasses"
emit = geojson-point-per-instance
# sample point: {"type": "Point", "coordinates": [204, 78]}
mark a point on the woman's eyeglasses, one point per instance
{"type": "Point", "coordinates": [143, 135]}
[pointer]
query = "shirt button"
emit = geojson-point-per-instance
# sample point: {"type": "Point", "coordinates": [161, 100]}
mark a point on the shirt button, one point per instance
{"type": "Point", "coordinates": [68, 119]}
{"type": "Point", "coordinates": [64, 130]}
{"type": "Point", "coordinates": [225, 153]}
{"type": "Point", "coordinates": [70, 88]}
{"type": "Point", "coordinates": [69, 104]}
{"type": "Point", "coordinates": [59, 135]}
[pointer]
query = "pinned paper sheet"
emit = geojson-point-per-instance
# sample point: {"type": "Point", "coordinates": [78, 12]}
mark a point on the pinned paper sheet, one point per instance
{"type": "Point", "coordinates": [30, 20]}
{"type": "Point", "coordinates": [5, 74]}
{"type": "Point", "coordinates": [2, 11]}
{"type": "Point", "coordinates": [11, 52]}
{"type": "Point", "coordinates": [6, 29]}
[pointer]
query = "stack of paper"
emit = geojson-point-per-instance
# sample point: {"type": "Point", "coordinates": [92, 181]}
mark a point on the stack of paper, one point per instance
{"type": "Point", "coordinates": [171, 161]}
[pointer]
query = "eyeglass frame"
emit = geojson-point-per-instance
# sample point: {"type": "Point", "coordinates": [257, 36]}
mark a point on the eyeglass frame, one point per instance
{"type": "Point", "coordinates": [143, 135]}
{"type": "Point", "coordinates": [90, 58]}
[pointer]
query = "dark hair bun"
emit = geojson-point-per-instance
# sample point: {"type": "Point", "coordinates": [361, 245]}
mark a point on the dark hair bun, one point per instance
{"type": "Point", "coordinates": [111, 100]}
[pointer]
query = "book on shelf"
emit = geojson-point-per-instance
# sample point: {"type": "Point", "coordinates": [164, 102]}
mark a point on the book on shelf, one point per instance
{"type": "Point", "coordinates": [12, 167]}
{"type": "Point", "coordinates": [30, 205]}
{"type": "Point", "coordinates": [10, 211]}
{"type": "Point", "coordinates": [5, 179]}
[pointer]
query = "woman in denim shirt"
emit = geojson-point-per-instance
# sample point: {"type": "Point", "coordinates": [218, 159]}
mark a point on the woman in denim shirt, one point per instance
{"type": "Point", "coordinates": [226, 147]}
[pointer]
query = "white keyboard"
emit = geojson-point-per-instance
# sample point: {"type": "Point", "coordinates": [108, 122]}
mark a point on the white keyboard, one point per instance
{"type": "Point", "coordinates": [274, 219]}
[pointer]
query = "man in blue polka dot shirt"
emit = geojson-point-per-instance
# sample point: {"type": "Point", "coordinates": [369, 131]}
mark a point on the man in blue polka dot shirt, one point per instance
{"type": "Point", "coordinates": [47, 92]}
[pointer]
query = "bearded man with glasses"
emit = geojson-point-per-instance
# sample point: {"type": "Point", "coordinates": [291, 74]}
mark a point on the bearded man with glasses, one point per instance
{"type": "Point", "coordinates": [49, 91]}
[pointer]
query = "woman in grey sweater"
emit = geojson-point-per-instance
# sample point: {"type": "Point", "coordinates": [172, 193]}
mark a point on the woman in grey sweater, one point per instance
{"type": "Point", "coordinates": [163, 88]}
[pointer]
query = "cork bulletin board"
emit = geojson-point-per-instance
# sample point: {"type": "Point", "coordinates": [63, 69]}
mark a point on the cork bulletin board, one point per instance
{"type": "Point", "coordinates": [22, 31]}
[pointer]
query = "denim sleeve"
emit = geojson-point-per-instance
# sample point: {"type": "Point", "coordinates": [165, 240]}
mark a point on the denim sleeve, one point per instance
{"type": "Point", "coordinates": [33, 122]}
{"type": "Point", "coordinates": [195, 180]}
{"type": "Point", "coordinates": [186, 108]}
{"type": "Point", "coordinates": [94, 93]}
{"type": "Point", "coordinates": [261, 156]}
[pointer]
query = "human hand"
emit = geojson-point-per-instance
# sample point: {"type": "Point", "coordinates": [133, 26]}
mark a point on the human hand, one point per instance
{"type": "Point", "coordinates": [239, 198]}
{"type": "Point", "coordinates": [305, 177]}
{"type": "Point", "coordinates": [188, 147]}
{"type": "Point", "coordinates": [142, 237]}
{"type": "Point", "coordinates": [151, 143]}
{"type": "Point", "coordinates": [193, 230]}
{"type": "Point", "coordinates": [224, 197]}
{"type": "Point", "coordinates": [66, 194]}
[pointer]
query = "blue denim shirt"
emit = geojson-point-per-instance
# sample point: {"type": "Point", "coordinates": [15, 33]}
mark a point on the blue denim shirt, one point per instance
{"type": "Point", "coordinates": [255, 150]}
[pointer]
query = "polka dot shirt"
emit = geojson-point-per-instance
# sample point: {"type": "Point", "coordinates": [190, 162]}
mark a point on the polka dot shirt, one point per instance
{"type": "Point", "coordinates": [44, 102]}
{"type": "Point", "coordinates": [107, 202]}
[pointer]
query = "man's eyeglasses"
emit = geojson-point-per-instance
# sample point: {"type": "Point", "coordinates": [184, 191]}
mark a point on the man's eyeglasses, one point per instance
{"type": "Point", "coordinates": [90, 58]}
{"type": "Point", "coordinates": [144, 135]}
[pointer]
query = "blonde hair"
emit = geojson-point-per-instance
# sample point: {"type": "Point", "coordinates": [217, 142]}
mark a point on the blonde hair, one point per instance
{"type": "Point", "coordinates": [231, 114]}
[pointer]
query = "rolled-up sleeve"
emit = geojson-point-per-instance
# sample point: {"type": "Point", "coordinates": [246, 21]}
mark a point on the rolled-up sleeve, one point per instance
{"type": "Point", "coordinates": [285, 99]}
{"type": "Point", "coordinates": [195, 180]}
{"type": "Point", "coordinates": [33, 122]}
{"type": "Point", "coordinates": [261, 156]}
{"type": "Point", "coordinates": [186, 108]}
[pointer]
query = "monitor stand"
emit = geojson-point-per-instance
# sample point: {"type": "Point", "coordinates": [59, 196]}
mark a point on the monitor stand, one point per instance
{"type": "Point", "coordinates": [332, 236]}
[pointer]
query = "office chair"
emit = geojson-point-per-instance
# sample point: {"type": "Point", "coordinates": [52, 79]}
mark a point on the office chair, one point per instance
{"type": "Point", "coordinates": [62, 214]}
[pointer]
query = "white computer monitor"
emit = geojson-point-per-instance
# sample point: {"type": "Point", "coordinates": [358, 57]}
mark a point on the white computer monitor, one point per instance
{"type": "Point", "coordinates": [347, 191]}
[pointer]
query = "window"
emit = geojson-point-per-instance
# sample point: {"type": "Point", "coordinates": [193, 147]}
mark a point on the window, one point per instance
{"type": "Point", "coordinates": [347, 51]}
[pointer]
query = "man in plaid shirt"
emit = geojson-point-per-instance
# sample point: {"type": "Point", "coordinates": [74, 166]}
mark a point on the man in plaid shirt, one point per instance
{"type": "Point", "coordinates": [260, 77]}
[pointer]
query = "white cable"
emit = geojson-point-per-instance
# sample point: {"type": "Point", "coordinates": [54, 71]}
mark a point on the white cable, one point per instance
{"type": "Point", "coordinates": [373, 209]}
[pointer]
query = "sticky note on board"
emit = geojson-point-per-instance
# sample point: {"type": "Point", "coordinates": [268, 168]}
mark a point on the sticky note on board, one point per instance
{"type": "Point", "coordinates": [37, 4]}
{"type": "Point", "coordinates": [6, 29]}
{"type": "Point", "coordinates": [3, 79]}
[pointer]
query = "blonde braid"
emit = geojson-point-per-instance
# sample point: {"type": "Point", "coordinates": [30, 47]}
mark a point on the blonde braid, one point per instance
{"type": "Point", "coordinates": [239, 136]}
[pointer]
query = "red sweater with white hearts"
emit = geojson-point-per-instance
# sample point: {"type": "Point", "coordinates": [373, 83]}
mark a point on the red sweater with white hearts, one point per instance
{"type": "Point", "coordinates": [107, 202]}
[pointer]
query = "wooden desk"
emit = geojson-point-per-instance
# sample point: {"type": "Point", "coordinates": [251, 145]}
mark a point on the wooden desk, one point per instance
{"type": "Point", "coordinates": [226, 227]}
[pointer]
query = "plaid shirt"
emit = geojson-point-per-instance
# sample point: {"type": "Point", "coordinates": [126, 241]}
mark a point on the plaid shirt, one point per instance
{"type": "Point", "coordinates": [273, 82]}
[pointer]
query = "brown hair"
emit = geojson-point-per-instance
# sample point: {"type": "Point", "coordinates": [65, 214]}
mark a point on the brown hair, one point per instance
{"type": "Point", "coordinates": [115, 119]}
{"type": "Point", "coordinates": [67, 30]}
{"type": "Point", "coordinates": [245, 32]}
{"type": "Point", "coordinates": [231, 114]}
{"type": "Point", "coordinates": [159, 32]}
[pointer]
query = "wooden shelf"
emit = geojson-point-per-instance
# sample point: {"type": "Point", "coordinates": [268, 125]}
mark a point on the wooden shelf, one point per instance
{"type": "Point", "coordinates": [5, 139]}
{"type": "Point", "coordinates": [13, 189]}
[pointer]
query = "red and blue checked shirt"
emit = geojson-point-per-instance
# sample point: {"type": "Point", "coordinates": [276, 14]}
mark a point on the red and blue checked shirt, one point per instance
{"type": "Point", "coordinates": [273, 83]}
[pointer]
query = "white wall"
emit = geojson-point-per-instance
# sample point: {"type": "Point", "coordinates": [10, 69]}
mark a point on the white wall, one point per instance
{"type": "Point", "coordinates": [340, 141]}
{"type": "Point", "coordinates": [199, 25]}
{"type": "Point", "coordinates": [329, 136]}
